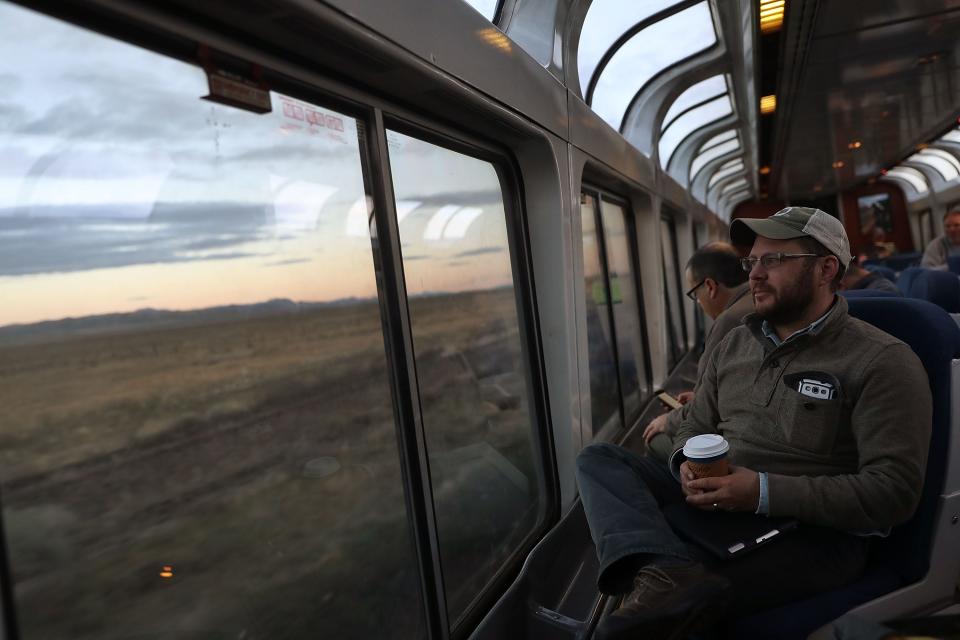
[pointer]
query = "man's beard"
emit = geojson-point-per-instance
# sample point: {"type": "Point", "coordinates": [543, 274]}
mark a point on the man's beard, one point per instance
{"type": "Point", "coordinates": [792, 301]}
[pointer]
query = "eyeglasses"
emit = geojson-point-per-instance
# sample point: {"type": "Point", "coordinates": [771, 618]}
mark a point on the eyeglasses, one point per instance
{"type": "Point", "coordinates": [772, 260]}
{"type": "Point", "coordinates": [692, 293]}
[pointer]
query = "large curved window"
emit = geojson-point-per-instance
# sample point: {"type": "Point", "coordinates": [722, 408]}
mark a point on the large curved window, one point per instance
{"type": "Point", "coordinates": [726, 170]}
{"type": "Point", "coordinates": [604, 25]}
{"type": "Point", "coordinates": [733, 186]}
{"type": "Point", "coordinates": [660, 45]}
{"type": "Point", "coordinates": [488, 8]}
{"type": "Point", "coordinates": [697, 94]}
{"type": "Point", "coordinates": [690, 122]}
{"type": "Point", "coordinates": [713, 149]}
{"type": "Point", "coordinates": [952, 136]}
{"type": "Point", "coordinates": [911, 176]}
{"type": "Point", "coordinates": [945, 163]}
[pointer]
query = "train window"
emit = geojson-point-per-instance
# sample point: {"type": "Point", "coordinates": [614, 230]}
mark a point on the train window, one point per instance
{"type": "Point", "coordinates": [710, 152]}
{"type": "Point", "coordinates": [726, 170]}
{"type": "Point", "coordinates": [944, 163]}
{"type": "Point", "coordinates": [736, 185]}
{"type": "Point", "coordinates": [698, 93]}
{"type": "Point", "coordinates": [926, 228]}
{"type": "Point", "coordinates": [952, 136]}
{"type": "Point", "coordinates": [911, 176]}
{"type": "Point", "coordinates": [645, 54]}
{"type": "Point", "coordinates": [672, 285]}
{"type": "Point", "coordinates": [689, 122]}
{"type": "Point", "coordinates": [470, 362]}
{"type": "Point", "coordinates": [626, 306]}
{"type": "Point", "coordinates": [487, 8]}
{"type": "Point", "coordinates": [198, 437]}
{"type": "Point", "coordinates": [604, 24]}
{"type": "Point", "coordinates": [604, 380]}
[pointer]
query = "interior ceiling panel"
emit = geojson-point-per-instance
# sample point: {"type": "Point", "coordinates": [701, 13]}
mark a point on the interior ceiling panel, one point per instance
{"type": "Point", "coordinates": [884, 73]}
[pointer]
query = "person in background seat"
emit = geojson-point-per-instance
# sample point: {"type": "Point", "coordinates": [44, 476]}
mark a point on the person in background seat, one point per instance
{"type": "Point", "coordinates": [848, 465]}
{"type": "Point", "coordinates": [942, 247]}
{"type": "Point", "coordinates": [856, 277]}
{"type": "Point", "coordinates": [718, 284]}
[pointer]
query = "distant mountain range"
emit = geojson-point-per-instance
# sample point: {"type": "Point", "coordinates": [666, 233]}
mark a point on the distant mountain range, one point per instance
{"type": "Point", "coordinates": [158, 318]}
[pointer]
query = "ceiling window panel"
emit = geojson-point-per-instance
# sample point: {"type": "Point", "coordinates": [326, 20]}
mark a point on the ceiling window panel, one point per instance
{"type": "Point", "coordinates": [717, 139]}
{"type": "Point", "coordinates": [606, 21]}
{"type": "Point", "coordinates": [911, 176]}
{"type": "Point", "coordinates": [725, 171]}
{"type": "Point", "coordinates": [690, 122]}
{"type": "Point", "coordinates": [701, 92]}
{"type": "Point", "coordinates": [712, 153]}
{"type": "Point", "coordinates": [939, 164]}
{"type": "Point", "coordinates": [952, 136]}
{"type": "Point", "coordinates": [488, 8]}
{"type": "Point", "coordinates": [650, 51]}
{"type": "Point", "coordinates": [944, 155]}
{"type": "Point", "coordinates": [733, 186]}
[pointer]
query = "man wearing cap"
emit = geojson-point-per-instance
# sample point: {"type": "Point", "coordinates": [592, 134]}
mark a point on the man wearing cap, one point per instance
{"type": "Point", "coordinates": [847, 463]}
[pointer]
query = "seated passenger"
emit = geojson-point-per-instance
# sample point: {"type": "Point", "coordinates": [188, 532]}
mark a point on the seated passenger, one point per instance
{"type": "Point", "coordinates": [942, 247]}
{"type": "Point", "coordinates": [847, 467]}
{"type": "Point", "coordinates": [718, 284]}
{"type": "Point", "coordinates": [856, 277]}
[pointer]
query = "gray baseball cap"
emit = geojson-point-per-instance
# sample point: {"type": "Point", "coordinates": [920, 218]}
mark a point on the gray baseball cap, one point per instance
{"type": "Point", "coordinates": [795, 222]}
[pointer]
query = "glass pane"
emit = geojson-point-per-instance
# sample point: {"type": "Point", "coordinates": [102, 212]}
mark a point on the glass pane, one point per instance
{"type": "Point", "coordinates": [470, 361]}
{"type": "Point", "coordinates": [604, 395]}
{"type": "Point", "coordinates": [199, 439]}
{"type": "Point", "coordinates": [726, 170]}
{"type": "Point", "coordinates": [733, 186]}
{"type": "Point", "coordinates": [646, 54]}
{"type": "Point", "coordinates": [946, 157]}
{"type": "Point", "coordinates": [717, 139]}
{"type": "Point", "coordinates": [712, 153]}
{"type": "Point", "coordinates": [951, 136]}
{"type": "Point", "coordinates": [626, 309]}
{"type": "Point", "coordinates": [606, 21]}
{"type": "Point", "coordinates": [671, 285]}
{"type": "Point", "coordinates": [911, 176]}
{"type": "Point", "coordinates": [941, 166]}
{"type": "Point", "coordinates": [487, 8]}
{"type": "Point", "coordinates": [701, 91]}
{"type": "Point", "coordinates": [690, 122]}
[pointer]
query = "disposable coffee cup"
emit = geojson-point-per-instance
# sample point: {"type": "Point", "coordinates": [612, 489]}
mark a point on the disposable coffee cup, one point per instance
{"type": "Point", "coordinates": [707, 455]}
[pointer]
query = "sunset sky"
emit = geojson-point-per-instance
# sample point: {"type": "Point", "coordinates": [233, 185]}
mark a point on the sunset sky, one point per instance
{"type": "Point", "coordinates": [121, 189]}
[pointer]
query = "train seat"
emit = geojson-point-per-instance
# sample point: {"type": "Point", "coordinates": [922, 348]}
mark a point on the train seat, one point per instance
{"type": "Point", "coordinates": [953, 264]}
{"type": "Point", "coordinates": [907, 276]}
{"type": "Point", "coordinates": [901, 261]}
{"type": "Point", "coordinates": [939, 287]}
{"type": "Point", "coordinates": [917, 564]}
{"type": "Point", "coordinates": [886, 272]}
{"type": "Point", "coordinates": [869, 293]}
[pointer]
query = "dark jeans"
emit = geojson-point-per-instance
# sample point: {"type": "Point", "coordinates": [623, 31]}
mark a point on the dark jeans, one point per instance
{"type": "Point", "coordinates": [622, 495]}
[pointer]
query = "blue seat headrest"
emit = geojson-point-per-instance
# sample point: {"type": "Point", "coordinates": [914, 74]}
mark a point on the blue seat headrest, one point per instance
{"type": "Point", "coordinates": [886, 272]}
{"type": "Point", "coordinates": [907, 276]}
{"type": "Point", "coordinates": [869, 293]}
{"type": "Point", "coordinates": [939, 287]}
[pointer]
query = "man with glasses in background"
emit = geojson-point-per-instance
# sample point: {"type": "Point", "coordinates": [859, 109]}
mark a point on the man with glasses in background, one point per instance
{"type": "Point", "coordinates": [718, 284]}
{"type": "Point", "coordinates": [827, 420]}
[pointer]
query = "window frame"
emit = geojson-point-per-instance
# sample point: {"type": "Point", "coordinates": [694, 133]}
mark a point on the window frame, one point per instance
{"type": "Point", "coordinates": [682, 349]}
{"type": "Point", "coordinates": [600, 195]}
{"type": "Point", "coordinates": [285, 72]}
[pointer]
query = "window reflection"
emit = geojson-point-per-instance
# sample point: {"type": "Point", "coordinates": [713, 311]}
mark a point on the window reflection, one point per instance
{"type": "Point", "coordinates": [604, 391]}
{"type": "Point", "coordinates": [470, 361]}
{"type": "Point", "coordinates": [199, 439]}
{"type": "Point", "coordinates": [626, 308]}
{"type": "Point", "coordinates": [676, 329]}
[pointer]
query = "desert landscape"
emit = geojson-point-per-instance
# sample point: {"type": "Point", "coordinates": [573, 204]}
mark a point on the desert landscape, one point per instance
{"type": "Point", "coordinates": [250, 455]}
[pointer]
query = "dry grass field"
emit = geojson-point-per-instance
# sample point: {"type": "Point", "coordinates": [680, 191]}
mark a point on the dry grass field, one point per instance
{"type": "Point", "coordinates": [203, 447]}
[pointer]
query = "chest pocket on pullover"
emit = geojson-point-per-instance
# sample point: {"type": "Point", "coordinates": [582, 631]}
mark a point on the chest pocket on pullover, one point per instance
{"type": "Point", "coordinates": [808, 423]}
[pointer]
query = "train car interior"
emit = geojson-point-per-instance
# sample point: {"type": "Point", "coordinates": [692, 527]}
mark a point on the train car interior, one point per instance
{"type": "Point", "coordinates": [307, 307]}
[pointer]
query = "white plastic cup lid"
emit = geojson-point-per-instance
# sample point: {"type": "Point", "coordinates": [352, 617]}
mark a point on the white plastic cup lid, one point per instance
{"type": "Point", "coordinates": [709, 445]}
